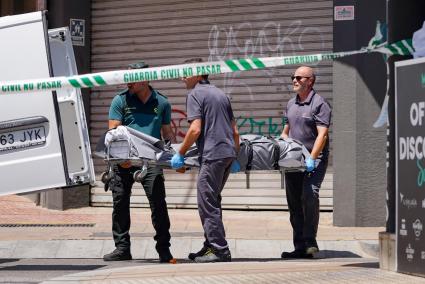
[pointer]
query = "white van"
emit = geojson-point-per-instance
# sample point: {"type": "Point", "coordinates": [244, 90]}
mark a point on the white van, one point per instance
{"type": "Point", "coordinates": [44, 140]}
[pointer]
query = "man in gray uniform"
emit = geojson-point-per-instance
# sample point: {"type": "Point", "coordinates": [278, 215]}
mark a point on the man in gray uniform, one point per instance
{"type": "Point", "coordinates": [213, 127]}
{"type": "Point", "coordinates": [307, 119]}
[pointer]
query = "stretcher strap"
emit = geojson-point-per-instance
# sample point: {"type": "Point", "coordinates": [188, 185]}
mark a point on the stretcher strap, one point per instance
{"type": "Point", "coordinates": [276, 152]}
{"type": "Point", "coordinates": [248, 145]}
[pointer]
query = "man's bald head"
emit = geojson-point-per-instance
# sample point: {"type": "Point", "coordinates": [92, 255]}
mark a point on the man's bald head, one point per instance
{"type": "Point", "coordinates": [306, 71]}
{"type": "Point", "coordinates": [303, 80]}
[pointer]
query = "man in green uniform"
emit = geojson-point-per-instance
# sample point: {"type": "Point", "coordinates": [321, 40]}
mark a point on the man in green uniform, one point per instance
{"type": "Point", "coordinates": [142, 108]}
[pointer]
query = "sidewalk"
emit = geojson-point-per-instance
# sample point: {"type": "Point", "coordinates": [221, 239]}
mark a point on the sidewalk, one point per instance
{"type": "Point", "coordinates": [28, 231]}
{"type": "Point", "coordinates": [256, 239]}
{"type": "Point", "coordinates": [342, 271]}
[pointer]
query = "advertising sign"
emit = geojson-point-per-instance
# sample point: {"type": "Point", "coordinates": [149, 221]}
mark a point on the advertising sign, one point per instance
{"type": "Point", "coordinates": [410, 165]}
{"type": "Point", "coordinates": [344, 13]}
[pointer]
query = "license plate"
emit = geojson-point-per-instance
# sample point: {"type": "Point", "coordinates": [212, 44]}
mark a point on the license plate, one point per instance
{"type": "Point", "coordinates": [23, 138]}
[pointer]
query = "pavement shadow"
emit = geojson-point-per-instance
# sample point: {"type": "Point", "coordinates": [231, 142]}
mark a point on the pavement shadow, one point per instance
{"type": "Point", "coordinates": [50, 267]}
{"type": "Point", "coordinates": [373, 265]}
{"type": "Point", "coordinates": [335, 254]}
{"type": "Point", "coordinates": [6, 260]}
{"type": "Point", "coordinates": [182, 261]}
{"type": "Point", "coordinates": [241, 259]}
{"type": "Point", "coordinates": [323, 254]}
{"type": "Point", "coordinates": [155, 261]}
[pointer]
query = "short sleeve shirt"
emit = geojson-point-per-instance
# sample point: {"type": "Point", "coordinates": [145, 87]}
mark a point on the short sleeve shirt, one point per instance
{"type": "Point", "coordinates": [304, 117]}
{"type": "Point", "coordinates": [145, 117]}
{"type": "Point", "coordinates": [212, 106]}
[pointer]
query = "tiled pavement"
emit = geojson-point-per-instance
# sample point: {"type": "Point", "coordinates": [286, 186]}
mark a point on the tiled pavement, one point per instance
{"type": "Point", "coordinates": [256, 239]}
{"type": "Point", "coordinates": [28, 231]}
{"type": "Point", "coordinates": [313, 271]}
{"type": "Point", "coordinates": [95, 223]}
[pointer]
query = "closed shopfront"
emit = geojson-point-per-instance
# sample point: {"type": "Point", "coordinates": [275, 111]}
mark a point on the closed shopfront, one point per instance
{"type": "Point", "coordinates": [165, 32]}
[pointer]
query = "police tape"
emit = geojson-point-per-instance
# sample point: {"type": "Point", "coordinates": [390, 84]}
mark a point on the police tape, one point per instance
{"type": "Point", "coordinates": [403, 47]}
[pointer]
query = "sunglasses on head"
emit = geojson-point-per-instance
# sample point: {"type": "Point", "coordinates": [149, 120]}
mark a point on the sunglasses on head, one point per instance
{"type": "Point", "coordinates": [298, 77]}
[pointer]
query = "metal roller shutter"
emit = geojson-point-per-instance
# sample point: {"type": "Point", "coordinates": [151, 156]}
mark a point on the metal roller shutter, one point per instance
{"type": "Point", "coordinates": [163, 32]}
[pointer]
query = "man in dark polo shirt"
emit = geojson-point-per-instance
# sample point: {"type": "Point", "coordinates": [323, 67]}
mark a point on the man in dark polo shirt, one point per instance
{"type": "Point", "coordinates": [142, 108]}
{"type": "Point", "coordinates": [307, 119]}
{"type": "Point", "coordinates": [213, 128]}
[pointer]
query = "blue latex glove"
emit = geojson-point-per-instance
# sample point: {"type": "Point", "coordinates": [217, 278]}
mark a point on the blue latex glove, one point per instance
{"type": "Point", "coordinates": [235, 167]}
{"type": "Point", "coordinates": [177, 161]}
{"type": "Point", "coordinates": [310, 164]}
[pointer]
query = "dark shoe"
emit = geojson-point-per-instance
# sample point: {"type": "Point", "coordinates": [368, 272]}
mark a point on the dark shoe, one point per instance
{"type": "Point", "coordinates": [167, 257]}
{"type": "Point", "coordinates": [117, 255]}
{"type": "Point", "coordinates": [212, 255]}
{"type": "Point", "coordinates": [194, 255]}
{"type": "Point", "coordinates": [296, 254]}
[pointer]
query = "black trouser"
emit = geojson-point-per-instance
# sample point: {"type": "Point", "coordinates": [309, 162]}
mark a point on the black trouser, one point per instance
{"type": "Point", "coordinates": [211, 180]}
{"type": "Point", "coordinates": [302, 193]}
{"type": "Point", "coordinates": [153, 184]}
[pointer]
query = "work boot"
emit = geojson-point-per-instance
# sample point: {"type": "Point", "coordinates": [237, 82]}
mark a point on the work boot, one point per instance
{"type": "Point", "coordinates": [118, 255]}
{"type": "Point", "coordinates": [194, 255]}
{"type": "Point", "coordinates": [213, 255]}
{"type": "Point", "coordinates": [296, 254]}
{"type": "Point", "coordinates": [166, 257]}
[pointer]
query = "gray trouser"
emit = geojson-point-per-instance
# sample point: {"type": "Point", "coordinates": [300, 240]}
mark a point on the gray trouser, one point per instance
{"type": "Point", "coordinates": [302, 193]}
{"type": "Point", "coordinates": [212, 177]}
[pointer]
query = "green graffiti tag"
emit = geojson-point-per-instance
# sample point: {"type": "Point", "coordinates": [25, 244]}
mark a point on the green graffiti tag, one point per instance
{"type": "Point", "coordinates": [259, 126]}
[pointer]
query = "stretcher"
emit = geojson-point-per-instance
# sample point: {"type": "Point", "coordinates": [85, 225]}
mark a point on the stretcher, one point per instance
{"type": "Point", "coordinates": [124, 144]}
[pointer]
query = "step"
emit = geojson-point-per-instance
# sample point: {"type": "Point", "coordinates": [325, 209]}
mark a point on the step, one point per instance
{"type": "Point", "coordinates": [265, 191]}
{"type": "Point", "coordinates": [228, 202]}
{"type": "Point", "coordinates": [138, 190]}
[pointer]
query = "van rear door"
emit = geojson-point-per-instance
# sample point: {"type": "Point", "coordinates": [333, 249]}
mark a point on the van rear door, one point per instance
{"type": "Point", "coordinates": [71, 109]}
{"type": "Point", "coordinates": [32, 151]}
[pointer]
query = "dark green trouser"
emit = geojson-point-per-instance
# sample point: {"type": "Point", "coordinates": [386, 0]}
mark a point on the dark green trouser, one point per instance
{"type": "Point", "coordinates": [153, 184]}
